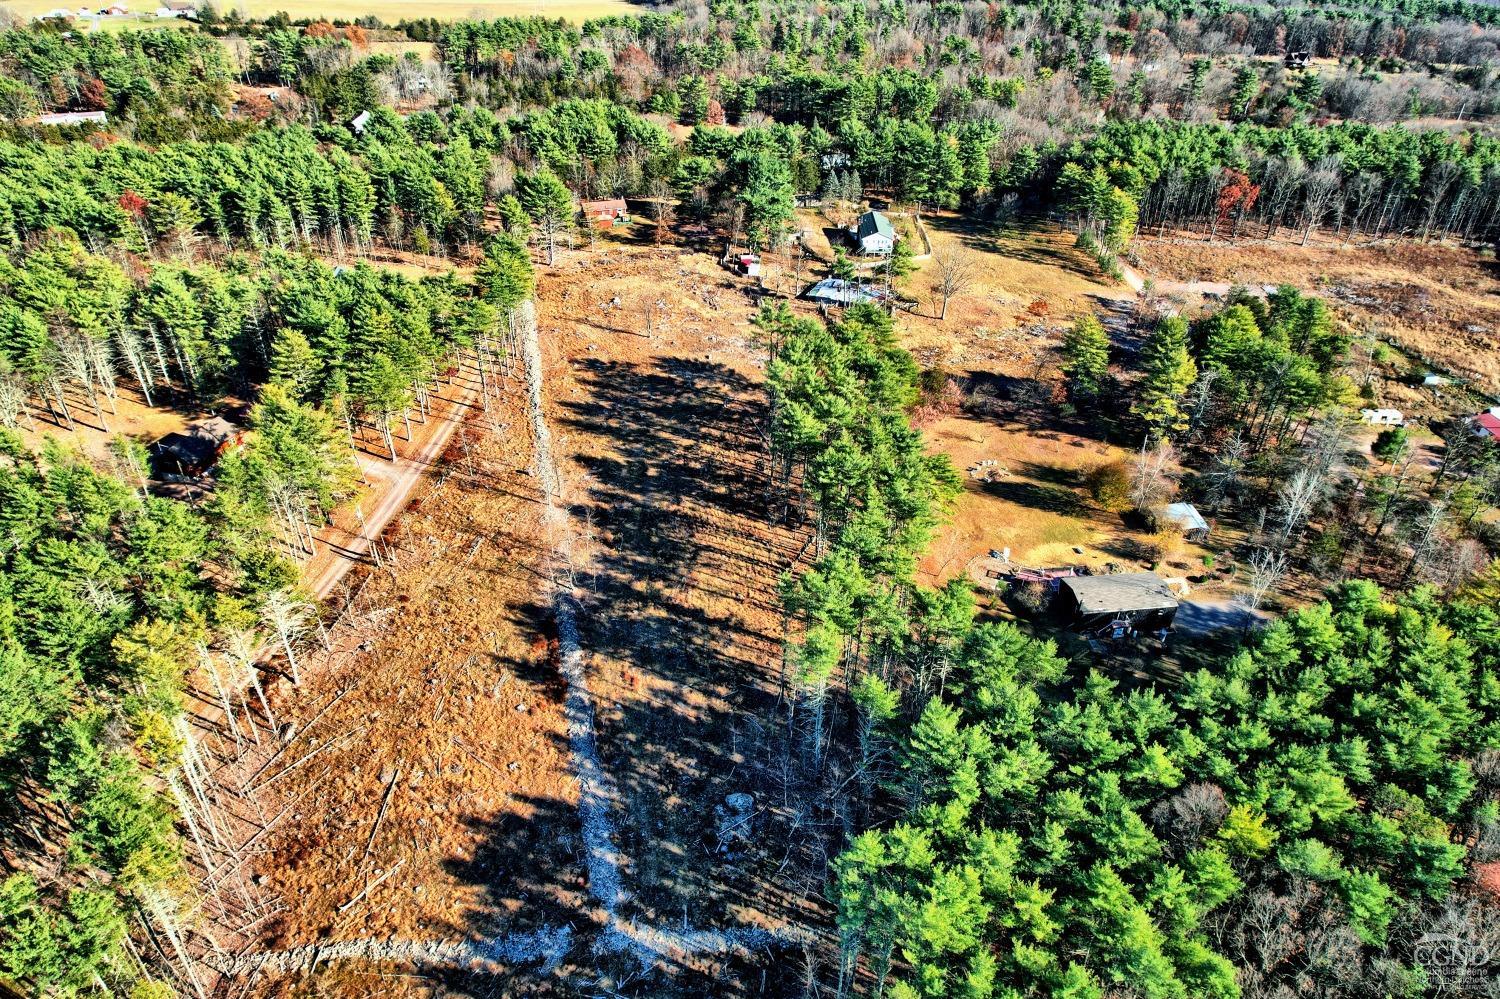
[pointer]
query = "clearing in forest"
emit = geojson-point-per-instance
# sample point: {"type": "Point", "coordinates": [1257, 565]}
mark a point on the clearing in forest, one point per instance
{"type": "Point", "coordinates": [1437, 302]}
{"type": "Point", "coordinates": [446, 793]}
{"type": "Point", "coordinates": [657, 409]}
{"type": "Point", "coordinates": [442, 807]}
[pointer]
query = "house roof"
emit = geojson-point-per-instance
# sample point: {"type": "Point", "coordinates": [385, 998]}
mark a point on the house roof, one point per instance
{"type": "Point", "coordinates": [841, 292]}
{"type": "Point", "coordinates": [604, 205]}
{"type": "Point", "coordinates": [1488, 422]}
{"type": "Point", "coordinates": [199, 444]}
{"type": "Point", "coordinates": [1186, 516]}
{"type": "Point", "coordinates": [871, 223]}
{"type": "Point", "coordinates": [1126, 591]}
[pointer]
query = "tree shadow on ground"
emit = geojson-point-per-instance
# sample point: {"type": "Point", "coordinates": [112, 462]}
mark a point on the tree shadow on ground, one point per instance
{"type": "Point", "coordinates": [1040, 487]}
{"type": "Point", "coordinates": [1010, 242]}
{"type": "Point", "coordinates": [668, 487]}
{"type": "Point", "coordinates": [682, 601]}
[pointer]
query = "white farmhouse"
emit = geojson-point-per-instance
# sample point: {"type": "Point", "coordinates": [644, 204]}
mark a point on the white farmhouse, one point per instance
{"type": "Point", "coordinates": [874, 234]}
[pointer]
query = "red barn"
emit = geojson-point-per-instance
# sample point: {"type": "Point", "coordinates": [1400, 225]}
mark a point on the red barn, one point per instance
{"type": "Point", "coordinates": [605, 213]}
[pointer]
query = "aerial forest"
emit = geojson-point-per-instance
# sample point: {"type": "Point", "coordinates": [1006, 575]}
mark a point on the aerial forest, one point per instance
{"type": "Point", "coordinates": [313, 227]}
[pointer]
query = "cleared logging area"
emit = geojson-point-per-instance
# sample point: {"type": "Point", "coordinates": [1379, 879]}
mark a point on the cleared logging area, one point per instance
{"type": "Point", "coordinates": [437, 826]}
{"type": "Point", "coordinates": [442, 824]}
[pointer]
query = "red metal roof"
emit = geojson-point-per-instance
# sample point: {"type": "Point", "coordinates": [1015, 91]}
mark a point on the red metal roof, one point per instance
{"type": "Point", "coordinates": [607, 205]}
{"type": "Point", "coordinates": [1489, 422]}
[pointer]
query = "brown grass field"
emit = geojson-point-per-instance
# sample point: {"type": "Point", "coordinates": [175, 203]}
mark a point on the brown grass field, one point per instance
{"type": "Point", "coordinates": [1439, 303]}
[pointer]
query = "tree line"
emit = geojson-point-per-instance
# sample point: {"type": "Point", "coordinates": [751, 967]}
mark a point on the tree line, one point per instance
{"type": "Point", "coordinates": [1354, 179]}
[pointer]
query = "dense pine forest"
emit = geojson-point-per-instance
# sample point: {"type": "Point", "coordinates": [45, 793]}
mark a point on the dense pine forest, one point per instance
{"type": "Point", "coordinates": [1294, 816]}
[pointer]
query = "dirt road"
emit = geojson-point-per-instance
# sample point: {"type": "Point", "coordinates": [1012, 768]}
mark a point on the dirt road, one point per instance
{"type": "Point", "coordinates": [343, 546]}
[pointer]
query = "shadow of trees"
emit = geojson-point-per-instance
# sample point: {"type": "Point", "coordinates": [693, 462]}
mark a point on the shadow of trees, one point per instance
{"type": "Point", "coordinates": [682, 625]}
{"type": "Point", "coordinates": [666, 472]}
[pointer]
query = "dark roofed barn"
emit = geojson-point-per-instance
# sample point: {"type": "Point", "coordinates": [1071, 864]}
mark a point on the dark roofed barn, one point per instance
{"type": "Point", "coordinates": [195, 450]}
{"type": "Point", "coordinates": [1118, 605]}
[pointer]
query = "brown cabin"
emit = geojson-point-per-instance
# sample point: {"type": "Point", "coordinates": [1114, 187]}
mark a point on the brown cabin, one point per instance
{"type": "Point", "coordinates": [193, 451]}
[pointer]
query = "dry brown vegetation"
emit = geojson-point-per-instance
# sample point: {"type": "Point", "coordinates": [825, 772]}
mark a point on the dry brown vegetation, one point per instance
{"type": "Point", "coordinates": [1437, 302]}
{"type": "Point", "coordinates": [442, 677]}
{"type": "Point", "coordinates": [450, 695]}
{"type": "Point", "coordinates": [440, 693]}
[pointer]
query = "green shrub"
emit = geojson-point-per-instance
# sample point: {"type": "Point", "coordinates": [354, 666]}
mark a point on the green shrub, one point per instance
{"type": "Point", "coordinates": [1109, 485]}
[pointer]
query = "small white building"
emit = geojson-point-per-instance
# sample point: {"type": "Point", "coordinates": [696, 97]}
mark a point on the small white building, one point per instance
{"type": "Point", "coordinates": [1382, 417]}
{"type": "Point", "coordinates": [360, 121]}
{"type": "Point", "coordinates": [74, 118]}
{"type": "Point", "coordinates": [750, 265]}
{"type": "Point", "coordinates": [1186, 518]}
{"type": "Point", "coordinates": [874, 234]}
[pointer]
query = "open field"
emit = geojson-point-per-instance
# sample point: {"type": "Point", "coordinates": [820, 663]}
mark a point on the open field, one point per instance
{"type": "Point", "coordinates": [1033, 502]}
{"type": "Point", "coordinates": [655, 424]}
{"type": "Point", "coordinates": [474, 839]}
{"type": "Point", "coordinates": [664, 469]}
{"type": "Point", "coordinates": [1017, 267]}
{"type": "Point", "coordinates": [389, 11]}
{"type": "Point", "coordinates": [1028, 277]}
{"type": "Point", "coordinates": [1439, 303]}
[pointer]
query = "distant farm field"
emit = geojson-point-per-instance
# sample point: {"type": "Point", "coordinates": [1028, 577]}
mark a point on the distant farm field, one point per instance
{"type": "Point", "coordinates": [389, 11]}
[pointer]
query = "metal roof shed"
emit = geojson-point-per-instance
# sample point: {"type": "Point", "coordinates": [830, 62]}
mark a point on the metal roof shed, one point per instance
{"type": "Point", "coordinates": [1188, 520]}
{"type": "Point", "coordinates": [836, 291]}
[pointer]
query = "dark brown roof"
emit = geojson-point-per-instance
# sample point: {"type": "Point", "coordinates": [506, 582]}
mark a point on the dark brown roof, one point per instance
{"type": "Point", "coordinates": [1126, 591]}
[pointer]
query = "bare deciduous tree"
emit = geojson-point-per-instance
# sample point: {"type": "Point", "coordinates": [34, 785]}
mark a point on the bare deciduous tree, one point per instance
{"type": "Point", "coordinates": [1223, 478]}
{"type": "Point", "coordinates": [1151, 484]}
{"type": "Point", "coordinates": [1192, 813]}
{"type": "Point", "coordinates": [13, 404]}
{"type": "Point", "coordinates": [956, 269]}
{"type": "Point", "coordinates": [1267, 568]}
{"type": "Point", "coordinates": [1201, 398]}
{"type": "Point", "coordinates": [75, 359]}
{"type": "Point", "coordinates": [287, 614]}
{"type": "Point", "coordinates": [241, 647]}
{"type": "Point", "coordinates": [1321, 185]}
{"type": "Point", "coordinates": [663, 212]}
{"type": "Point", "coordinates": [1295, 500]}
